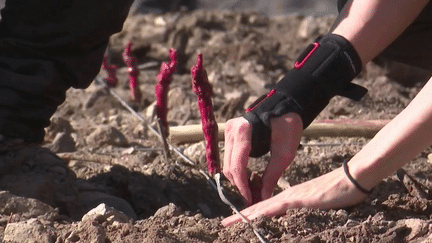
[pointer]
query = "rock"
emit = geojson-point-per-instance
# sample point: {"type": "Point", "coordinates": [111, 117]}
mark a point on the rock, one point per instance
{"type": "Point", "coordinates": [308, 27]}
{"type": "Point", "coordinates": [177, 96]}
{"type": "Point", "coordinates": [140, 130]}
{"type": "Point", "coordinates": [429, 158]}
{"type": "Point", "coordinates": [418, 228]}
{"type": "Point", "coordinates": [230, 69]}
{"type": "Point", "coordinates": [255, 79]}
{"type": "Point", "coordinates": [90, 231]}
{"type": "Point", "coordinates": [168, 211]}
{"type": "Point", "coordinates": [341, 215]}
{"type": "Point", "coordinates": [195, 151]}
{"type": "Point", "coordinates": [96, 93]}
{"type": "Point", "coordinates": [29, 231]}
{"type": "Point", "coordinates": [108, 214]}
{"type": "Point", "coordinates": [106, 135]}
{"type": "Point", "coordinates": [36, 172]}
{"type": "Point", "coordinates": [27, 208]}
{"type": "Point", "coordinates": [73, 237]}
{"type": "Point", "coordinates": [352, 223]}
{"type": "Point", "coordinates": [115, 120]}
{"type": "Point", "coordinates": [91, 199]}
{"type": "Point", "coordinates": [150, 111]}
{"type": "Point", "coordinates": [58, 125]}
{"type": "Point", "coordinates": [62, 143]}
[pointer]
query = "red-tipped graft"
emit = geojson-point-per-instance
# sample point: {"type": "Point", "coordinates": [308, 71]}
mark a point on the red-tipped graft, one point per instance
{"type": "Point", "coordinates": [204, 92]}
{"type": "Point", "coordinates": [132, 66]}
{"type": "Point", "coordinates": [111, 69]}
{"type": "Point", "coordinates": [164, 79]}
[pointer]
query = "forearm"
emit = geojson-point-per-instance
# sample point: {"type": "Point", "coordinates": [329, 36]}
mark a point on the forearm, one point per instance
{"type": "Point", "coordinates": [372, 25]}
{"type": "Point", "coordinates": [401, 140]}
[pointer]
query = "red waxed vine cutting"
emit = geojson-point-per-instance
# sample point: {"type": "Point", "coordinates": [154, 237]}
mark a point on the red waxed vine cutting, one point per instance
{"type": "Point", "coordinates": [111, 69]}
{"type": "Point", "coordinates": [204, 92]}
{"type": "Point", "coordinates": [200, 86]}
{"type": "Point", "coordinates": [132, 67]}
{"type": "Point", "coordinates": [164, 79]}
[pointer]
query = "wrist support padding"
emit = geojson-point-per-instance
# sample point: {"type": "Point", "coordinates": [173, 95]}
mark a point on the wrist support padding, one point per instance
{"type": "Point", "coordinates": [325, 69]}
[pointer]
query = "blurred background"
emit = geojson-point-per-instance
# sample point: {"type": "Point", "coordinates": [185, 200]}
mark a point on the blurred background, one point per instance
{"type": "Point", "coordinates": [267, 7]}
{"type": "Point", "coordinates": [276, 7]}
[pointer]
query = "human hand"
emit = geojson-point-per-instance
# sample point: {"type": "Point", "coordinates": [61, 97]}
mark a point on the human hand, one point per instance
{"type": "Point", "coordinates": [286, 134]}
{"type": "Point", "coordinates": [329, 191]}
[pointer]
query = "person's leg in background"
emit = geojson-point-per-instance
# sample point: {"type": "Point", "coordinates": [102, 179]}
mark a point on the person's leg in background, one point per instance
{"type": "Point", "coordinates": [46, 47]}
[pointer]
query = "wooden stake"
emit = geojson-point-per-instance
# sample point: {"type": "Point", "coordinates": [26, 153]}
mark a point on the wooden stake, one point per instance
{"type": "Point", "coordinates": [319, 128]}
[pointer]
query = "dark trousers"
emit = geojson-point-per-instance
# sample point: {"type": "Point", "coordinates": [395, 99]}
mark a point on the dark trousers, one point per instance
{"type": "Point", "coordinates": [46, 47]}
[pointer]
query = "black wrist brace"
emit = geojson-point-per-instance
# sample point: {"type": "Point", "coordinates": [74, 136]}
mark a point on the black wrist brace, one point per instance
{"type": "Point", "coordinates": [325, 69]}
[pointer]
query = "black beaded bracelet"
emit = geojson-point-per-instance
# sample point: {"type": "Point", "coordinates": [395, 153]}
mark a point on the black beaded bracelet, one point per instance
{"type": "Point", "coordinates": [345, 167]}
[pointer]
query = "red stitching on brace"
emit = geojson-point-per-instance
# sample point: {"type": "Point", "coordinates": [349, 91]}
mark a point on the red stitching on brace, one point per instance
{"type": "Point", "coordinates": [268, 95]}
{"type": "Point", "coordinates": [298, 65]}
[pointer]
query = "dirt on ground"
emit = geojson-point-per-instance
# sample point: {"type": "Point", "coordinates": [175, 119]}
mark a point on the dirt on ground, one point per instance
{"type": "Point", "coordinates": [103, 153]}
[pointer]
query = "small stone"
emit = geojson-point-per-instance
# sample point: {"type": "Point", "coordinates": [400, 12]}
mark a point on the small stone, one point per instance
{"type": "Point", "coordinates": [108, 214]}
{"type": "Point", "coordinates": [91, 231]}
{"type": "Point", "coordinates": [107, 135]}
{"type": "Point", "coordinates": [352, 223]}
{"type": "Point", "coordinates": [58, 125]}
{"type": "Point", "coordinates": [308, 27]}
{"type": "Point", "coordinates": [129, 151]}
{"type": "Point", "coordinates": [115, 120]}
{"type": "Point", "coordinates": [342, 214]}
{"type": "Point", "coordinates": [418, 228]}
{"type": "Point", "coordinates": [73, 237]}
{"type": "Point", "coordinates": [28, 231]}
{"type": "Point", "coordinates": [62, 143]}
{"type": "Point", "coordinates": [168, 211]}
{"type": "Point", "coordinates": [195, 151]}
{"type": "Point", "coordinates": [429, 158]}
{"type": "Point", "coordinates": [26, 207]}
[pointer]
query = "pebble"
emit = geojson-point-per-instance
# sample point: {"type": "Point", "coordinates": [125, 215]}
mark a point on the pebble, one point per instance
{"type": "Point", "coordinates": [168, 211]}
{"type": "Point", "coordinates": [104, 212]}
{"type": "Point", "coordinates": [62, 143]}
{"type": "Point", "coordinates": [28, 231]}
{"type": "Point", "coordinates": [106, 135]}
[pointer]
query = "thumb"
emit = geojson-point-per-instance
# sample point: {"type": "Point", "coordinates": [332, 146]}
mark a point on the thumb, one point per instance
{"type": "Point", "coordinates": [286, 135]}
